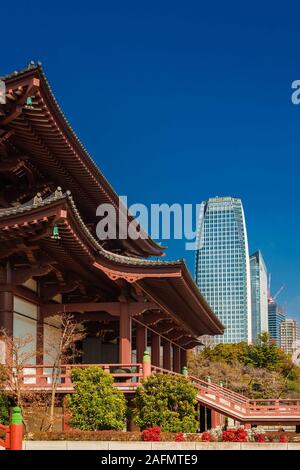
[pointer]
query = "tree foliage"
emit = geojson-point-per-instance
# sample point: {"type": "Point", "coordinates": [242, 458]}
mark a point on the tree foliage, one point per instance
{"type": "Point", "coordinates": [4, 408]}
{"type": "Point", "coordinates": [4, 401]}
{"type": "Point", "coordinates": [259, 370]}
{"type": "Point", "coordinates": [167, 401]}
{"type": "Point", "coordinates": [95, 404]}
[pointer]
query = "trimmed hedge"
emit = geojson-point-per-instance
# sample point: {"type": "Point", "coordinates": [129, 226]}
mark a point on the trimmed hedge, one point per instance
{"type": "Point", "coordinates": [167, 401]}
{"type": "Point", "coordinates": [95, 404]}
{"type": "Point", "coordinates": [136, 436]}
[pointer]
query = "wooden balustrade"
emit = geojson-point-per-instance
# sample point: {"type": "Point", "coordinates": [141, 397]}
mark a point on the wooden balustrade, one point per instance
{"type": "Point", "coordinates": [128, 376]}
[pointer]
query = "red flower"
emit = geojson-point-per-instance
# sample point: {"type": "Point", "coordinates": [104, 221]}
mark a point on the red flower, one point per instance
{"type": "Point", "coordinates": [259, 437]}
{"type": "Point", "coordinates": [206, 437]}
{"type": "Point", "coordinates": [235, 435]}
{"type": "Point", "coordinates": [179, 437]}
{"type": "Point", "coordinates": [151, 434]}
{"type": "Point", "coordinates": [283, 438]}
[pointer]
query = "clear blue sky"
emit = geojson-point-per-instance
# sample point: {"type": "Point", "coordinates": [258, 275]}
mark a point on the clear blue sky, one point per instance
{"type": "Point", "coordinates": [179, 101]}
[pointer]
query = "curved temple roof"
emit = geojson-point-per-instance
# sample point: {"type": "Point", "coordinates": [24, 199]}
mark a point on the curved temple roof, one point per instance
{"type": "Point", "coordinates": [168, 283]}
{"type": "Point", "coordinates": [44, 131]}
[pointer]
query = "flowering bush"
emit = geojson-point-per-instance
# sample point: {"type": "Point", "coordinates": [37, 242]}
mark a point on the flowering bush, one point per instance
{"type": "Point", "coordinates": [241, 435]}
{"type": "Point", "coordinates": [259, 437]}
{"type": "Point", "coordinates": [152, 434]}
{"type": "Point", "coordinates": [283, 438]}
{"type": "Point", "coordinates": [180, 437]}
{"type": "Point", "coordinates": [228, 436]}
{"type": "Point", "coordinates": [206, 437]}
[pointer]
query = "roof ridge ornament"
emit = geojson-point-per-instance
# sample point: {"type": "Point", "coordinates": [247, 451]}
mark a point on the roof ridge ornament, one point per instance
{"type": "Point", "coordinates": [58, 192]}
{"type": "Point", "coordinates": [37, 199]}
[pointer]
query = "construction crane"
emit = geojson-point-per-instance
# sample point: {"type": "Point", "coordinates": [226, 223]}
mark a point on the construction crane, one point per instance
{"type": "Point", "coordinates": [277, 293]}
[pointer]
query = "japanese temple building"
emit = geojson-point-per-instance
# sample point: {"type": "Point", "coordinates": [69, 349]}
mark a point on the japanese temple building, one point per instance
{"type": "Point", "coordinates": [52, 262]}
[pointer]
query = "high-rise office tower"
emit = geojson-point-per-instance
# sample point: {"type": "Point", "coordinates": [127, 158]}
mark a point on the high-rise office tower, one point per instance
{"type": "Point", "coordinates": [275, 317]}
{"type": "Point", "coordinates": [289, 335]}
{"type": "Point", "coordinates": [259, 295]}
{"type": "Point", "coordinates": [223, 268]}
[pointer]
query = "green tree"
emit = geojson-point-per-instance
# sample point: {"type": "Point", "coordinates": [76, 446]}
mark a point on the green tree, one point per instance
{"type": "Point", "coordinates": [4, 401]}
{"type": "Point", "coordinates": [96, 404]}
{"type": "Point", "coordinates": [167, 401]}
{"type": "Point", "coordinates": [227, 352]}
{"type": "Point", "coordinates": [4, 409]}
{"type": "Point", "coordinates": [266, 354]}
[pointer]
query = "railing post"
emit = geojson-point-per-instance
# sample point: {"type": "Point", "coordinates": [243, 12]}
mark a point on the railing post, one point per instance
{"type": "Point", "coordinates": [16, 429]}
{"type": "Point", "coordinates": [146, 365]}
{"type": "Point", "coordinates": [68, 376]}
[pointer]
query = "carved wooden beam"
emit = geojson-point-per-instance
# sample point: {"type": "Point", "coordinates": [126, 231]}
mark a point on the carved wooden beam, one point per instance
{"type": "Point", "coordinates": [17, 108]}
{"type": "Point", "coordinates": [192, 344]}
{"type": "Point", "coordinates": [94, 316]}
{"type": "Point", "coordinates": [51, 290]}
{"type": "Point", "coordinates": [5, 137]}
{"type": "Point", "coordinates": [12, 164]}
{"type": "Point", "coordinates": [21, 275]}
{"type": "Point", "coordinates": [175, 334]}
{"type": "Point", "coordinates": [113, 308]}
{"type": "Point", "coordinates": [9, 248]}
{"type": "Point", "coordinates": [185, 340]}
{"type": "Point", "coordinates": [151, 318]}
{"type": "Point", "coordinates": [165, 326]}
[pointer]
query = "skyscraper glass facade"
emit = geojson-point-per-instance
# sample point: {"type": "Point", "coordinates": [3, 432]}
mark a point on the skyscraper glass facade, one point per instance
{"type": "Point", "coordinates": [222, 266]}
{"type": "Point", "coordinates": [259, 295]}
{"type": "Point", "coordinates": [275, 317]}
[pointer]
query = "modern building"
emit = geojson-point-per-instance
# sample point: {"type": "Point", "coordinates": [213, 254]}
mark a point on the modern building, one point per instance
{"type": "Point", "coordinates": [52, 262]}
{"type": "Point", "coordinates": [223, 268]}
{"type": "Point", "coordinates": [259, 295]}
{"type": "Point", "coordinates": [275, 317]}
{"type": "Point", "coordinates": [289, 335]}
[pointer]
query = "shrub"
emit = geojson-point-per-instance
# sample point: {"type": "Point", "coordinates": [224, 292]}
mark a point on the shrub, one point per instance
{"type": "Point", "coordinates": [206, 437]}
{"type": "Point", "coordinates": [4, 409]}
{"type": "Point", "coordinates": [95, 403]}
{"type": "Point", "coordinates": [180, 437]}
{"type": "Point", "coordinates": [77, 435]}
{"type": "Point", "coordinates": [152, 434]}
{"type": "Point", "coordinates": [167, 401]}
{"type": "Point", "coordinates": [228, 436]}
{"type": "Point", "coordinates": [259, 437]}
{"type": "Point", "coordinates": [235, 435]}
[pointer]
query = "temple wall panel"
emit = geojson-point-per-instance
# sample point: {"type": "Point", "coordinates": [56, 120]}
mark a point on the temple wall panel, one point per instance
{"type": "Point", "coordinates": [52, 336]}
{"type": "Point", "coordinates": [25, 327]}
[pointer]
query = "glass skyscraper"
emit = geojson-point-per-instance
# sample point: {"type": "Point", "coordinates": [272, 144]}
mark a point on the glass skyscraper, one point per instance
{"type": "Point", "coordinates": [223, 268]}
{"type": "Point", "coordinates": [259, 295]}
{"type": "Point", "coordinates": [275, 317]}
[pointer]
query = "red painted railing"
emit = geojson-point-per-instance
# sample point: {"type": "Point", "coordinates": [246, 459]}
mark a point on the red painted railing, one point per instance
{"type": "Point", "coordinates": [240, 407]}
{"type": "Point", "coordinates": [128, 377]}
{"type": "Point", "coordinates": [42, 376]}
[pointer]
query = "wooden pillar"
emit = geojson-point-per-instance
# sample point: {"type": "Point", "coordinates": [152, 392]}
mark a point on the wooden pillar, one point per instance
{"type": "Point", "coordinates": [183, 357]}
{"type": "Point", "coordinates": [6, 312]}
{"type": "Point", "coordinates": [155, 349]}
{"type": "Point", "coordinates": [40, 338]}
{"type": "Point", "coordinates": [7, 305]}
{"type": "Point", "coordinates": [176, 359]}
{"type": "Point", "coordinates": [125, 335]}
{"type": "Point", "coordinates": [167, 355]}
{"type": "Point", "coordinates": [141, 342]}
{"type": "Point", "coordinates": [215, 419]}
